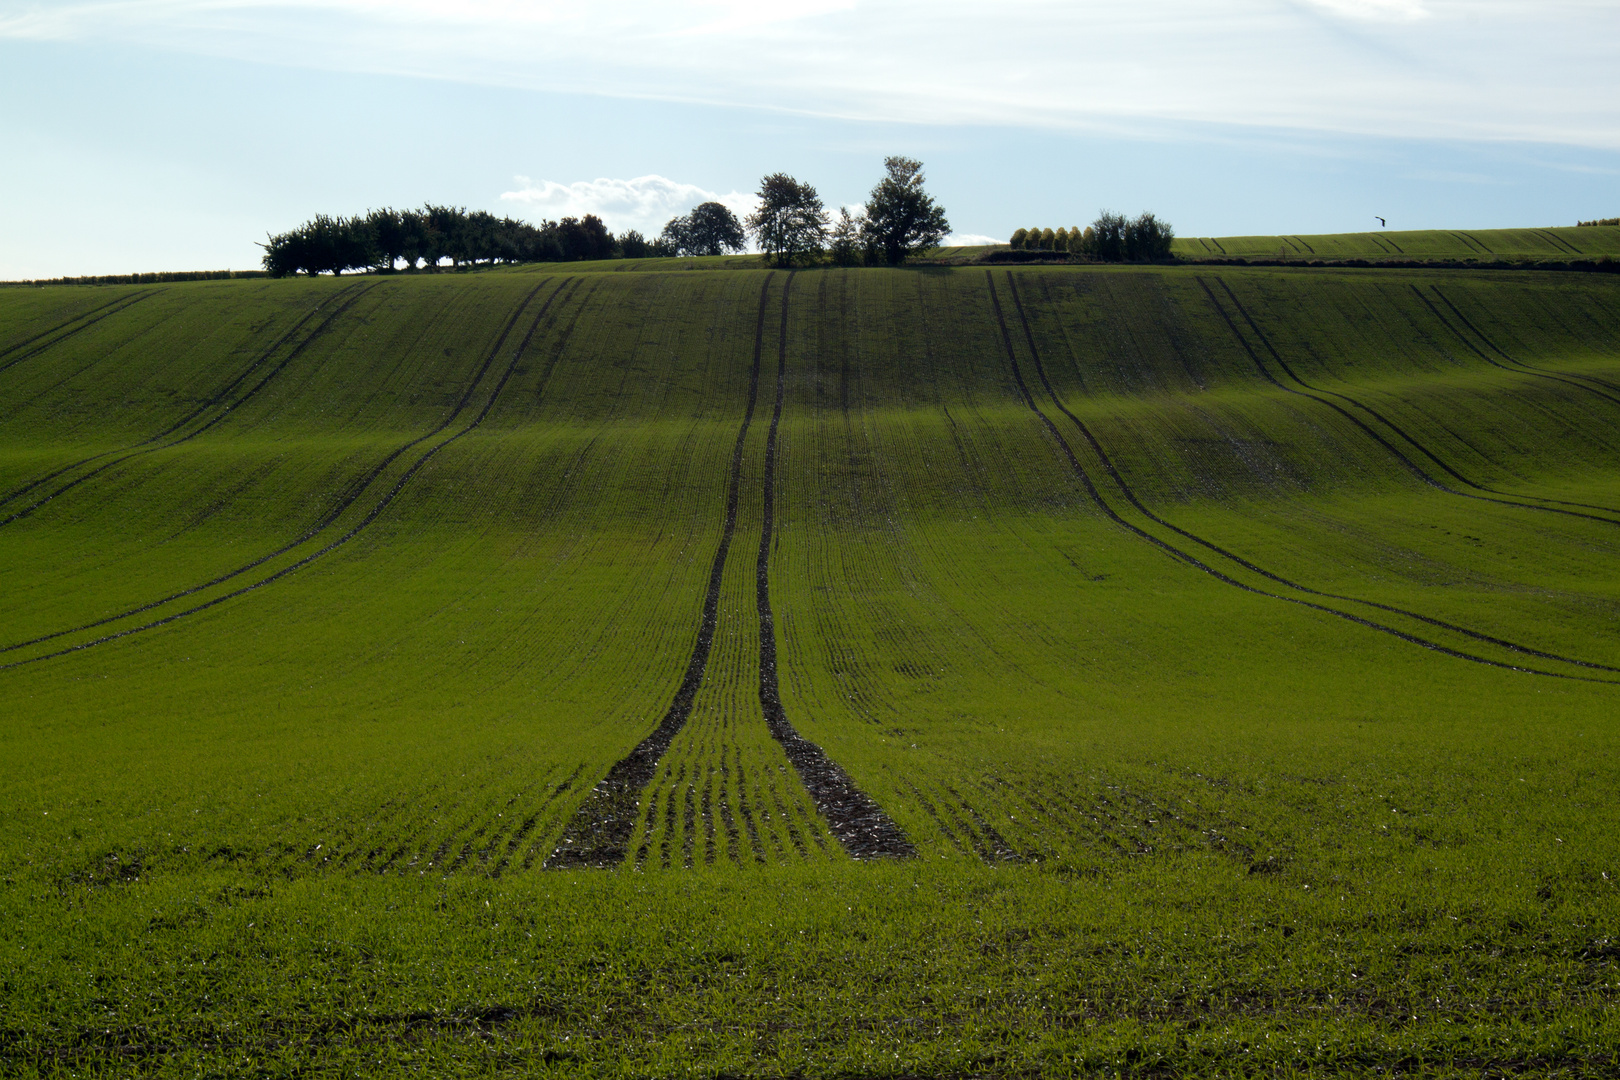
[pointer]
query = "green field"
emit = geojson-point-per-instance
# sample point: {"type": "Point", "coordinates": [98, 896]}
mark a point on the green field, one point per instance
{"type": "Point", "coordinates": [1564, 244]}
{"type": "Point", "coordinates": [1046, 671]}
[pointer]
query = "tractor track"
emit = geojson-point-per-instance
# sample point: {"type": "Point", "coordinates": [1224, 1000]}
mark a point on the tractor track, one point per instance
{"type": "Point", "coordinates": [144, 447]}
{"type": "Point", "coordinates": [1313, 394]}
{"type": "Point", "coordinates": [86, 320]}
{"type": "Point", "coordinates": [1130, 496]}
{"type": "Point", "coordinates": [210, 403]}
{"type": "Point", "coordinates": [1531, 368]}
{"type": "Point", "coordinates": [1525, 369]}
{"type": "Point", "coordinates": [605, 825]}
{"type": "Point", "coordinates": [856, 820]}
{"type": "Point", "coordinates": [600, 833]}
{"type": "Point", "coordinates": [1176, 553]}
{"type": "Point", "coordinates": [344, 503]}
{"type": "Point", "coordinates": [1559, 241]}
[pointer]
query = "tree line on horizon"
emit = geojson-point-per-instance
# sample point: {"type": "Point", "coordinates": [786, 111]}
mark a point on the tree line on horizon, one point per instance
{"type": "Point", "coordinates": [381, 239]}
{"type": "Point", "coordinates": [1111, 238]}
{"type": "Point", "coordinates": [791, 226]}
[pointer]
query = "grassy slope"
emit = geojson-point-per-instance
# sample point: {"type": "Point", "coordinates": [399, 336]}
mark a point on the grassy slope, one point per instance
{"type": "Point", "coordinates": [1160, 815]}
{"type": "Point", "coordinates": [1481, 245]}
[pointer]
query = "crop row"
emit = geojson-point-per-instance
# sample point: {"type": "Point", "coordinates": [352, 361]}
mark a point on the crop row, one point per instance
{"type": "Point", "coordinates": [947, 601]}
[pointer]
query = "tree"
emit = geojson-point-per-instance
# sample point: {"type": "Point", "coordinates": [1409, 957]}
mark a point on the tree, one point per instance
{"type": "Point", "coordinates": [1017, 241]}
{"type": "Point", "coordinates": [585, 238]}
{"type": "Point", "coordinates": [1108, 237]}
{"type": "Point", "coordinates": [846, 239]}
{"type": "Point", "coordinates": [1062, 242]}
{"type": "Point", "coordinates": [712, 229]}
{"type": "Point", "coordinates": [673, 238]}
{"type": "Point", "coordinates": [790, 223]}
{"type": "Point", "coordinates": [1115, 238]}
{"type": "Point", "coordinates": [389, 236]}
{"type": "Point", "coordinates": [285, 254]}
{"type": "Point", "coordinates": [632, 245]}
{"type": "Point", "coordinates": [444, 226]}
{"type": "Point", "coordinates": [1147, 239]}
{"type": "Point", "coordinates": [902, 218]}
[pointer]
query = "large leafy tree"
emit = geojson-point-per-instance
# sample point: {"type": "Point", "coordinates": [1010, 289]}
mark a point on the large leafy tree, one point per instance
{"type": "Point", "coordinates": [712, 229]}
{"type": "Point", "coordinates": [791, 223]}
{"type": "Point", "coordinates": [902, 218]}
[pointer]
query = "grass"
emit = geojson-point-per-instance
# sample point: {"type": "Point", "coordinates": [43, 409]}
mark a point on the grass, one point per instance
{"type": "Point", "coordinates": [1559, 244]}
{"type": "Point", "coordinates": [1236, 648]}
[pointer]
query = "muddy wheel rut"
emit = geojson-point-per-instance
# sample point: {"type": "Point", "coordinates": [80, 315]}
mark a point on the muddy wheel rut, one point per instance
{"type": "Point", "coordinates": [602, 832]}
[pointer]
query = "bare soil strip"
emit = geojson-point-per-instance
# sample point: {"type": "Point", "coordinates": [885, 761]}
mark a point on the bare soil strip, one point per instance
{"type": "Point", "coordinates": [213, 401]}
{"type": "Point", "coordinates": [860, 825]}
{"type": "Point", "coordinates": [599, 835]}
{"type": "Point", "coordinates": [1191, 560]}
{"type": "Point", "coordinates": [1130, 496]}
{"type": "Point", "coordinates": [146, 447]}
{"type": "Point", "coordinates": [1314, 395]}
{"type": "Point", "coordinates": [85, 321]}
{"type": "Point", "coordinates": [332, 515]}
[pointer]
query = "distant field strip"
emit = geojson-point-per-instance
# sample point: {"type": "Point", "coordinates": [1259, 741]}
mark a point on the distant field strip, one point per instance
{"type": "Point", "coordinates": [1191, 560]}
{"type": "Point", "coordinates": [1558, 244]}
{"type": "Point", "coordinates": [331, 517]}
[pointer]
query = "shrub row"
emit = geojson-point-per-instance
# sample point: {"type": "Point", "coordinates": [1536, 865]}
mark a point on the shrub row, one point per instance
{"type": "Point", "coordinates": [1111, 238]}
{"type": "Point", "coordinates": [156, 278]}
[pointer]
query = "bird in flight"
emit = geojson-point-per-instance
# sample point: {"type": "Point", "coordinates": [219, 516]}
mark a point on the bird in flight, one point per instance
{"type": "Point", "coordinates": [1381, 222]}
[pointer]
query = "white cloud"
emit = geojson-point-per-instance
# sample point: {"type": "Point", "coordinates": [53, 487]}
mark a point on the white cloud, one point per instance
{"type": "Point", "coordinates": [971, 240]}
{"type": "Point", "coordinates": [644, 203]}
{"type": "Point", "coordinates": [1483, 69]}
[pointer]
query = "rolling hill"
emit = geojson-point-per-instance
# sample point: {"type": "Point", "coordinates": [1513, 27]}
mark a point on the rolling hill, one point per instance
{"type": "Point", "coordinates": [928, 671]}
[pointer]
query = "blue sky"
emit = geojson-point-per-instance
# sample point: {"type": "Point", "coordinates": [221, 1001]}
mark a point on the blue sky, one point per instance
{"type": "Point", "coordinates": [173, 134]}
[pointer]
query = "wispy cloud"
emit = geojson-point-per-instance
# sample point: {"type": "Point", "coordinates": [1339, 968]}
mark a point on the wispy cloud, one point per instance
{"type": "Point", "coordinates": [1488, 69]}
{"type": "Point", "coordinates": [1378, 10]}
{"type": "Point", "coordinates": [644, 203]}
